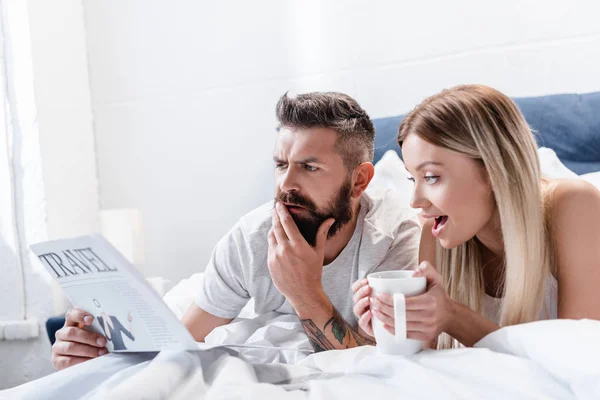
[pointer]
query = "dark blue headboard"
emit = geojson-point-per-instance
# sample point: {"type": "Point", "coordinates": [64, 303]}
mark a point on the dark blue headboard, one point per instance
{"type": "Point", "coordinates": [567, 123]}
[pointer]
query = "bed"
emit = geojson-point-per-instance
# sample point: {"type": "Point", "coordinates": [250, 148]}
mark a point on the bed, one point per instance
{"type": "Point", "coordinates": [268, 356]}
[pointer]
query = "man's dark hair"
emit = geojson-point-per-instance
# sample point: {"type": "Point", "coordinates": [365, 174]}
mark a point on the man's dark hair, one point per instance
{"type": "Point", "coordinates": [337, 111]}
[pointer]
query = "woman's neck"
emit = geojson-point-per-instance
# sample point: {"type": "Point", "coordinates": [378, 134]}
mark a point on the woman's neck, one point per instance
{"type": "Point", "coordinates": [491, 235]}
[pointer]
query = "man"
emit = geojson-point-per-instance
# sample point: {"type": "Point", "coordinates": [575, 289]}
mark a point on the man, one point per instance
{"type": "Point", "coordinates": [300, 253]}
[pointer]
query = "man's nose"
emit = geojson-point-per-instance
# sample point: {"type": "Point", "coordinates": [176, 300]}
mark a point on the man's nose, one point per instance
{"type": "Point", "coordinates": [288, 181]}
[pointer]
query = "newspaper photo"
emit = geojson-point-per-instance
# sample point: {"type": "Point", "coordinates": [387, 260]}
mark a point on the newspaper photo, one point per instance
{"type": "Point", "coordinates": [98, 279]}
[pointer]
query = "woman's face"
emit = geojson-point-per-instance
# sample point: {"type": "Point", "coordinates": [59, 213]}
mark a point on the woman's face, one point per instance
{"type": "Point", "coordinates": [452, 190]}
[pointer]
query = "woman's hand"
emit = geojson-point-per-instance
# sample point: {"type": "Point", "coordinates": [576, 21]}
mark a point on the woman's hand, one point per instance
{"type": "Point", "coordinates": [361, 309]}
{"type": "Point", "coordinates": [427, 315]}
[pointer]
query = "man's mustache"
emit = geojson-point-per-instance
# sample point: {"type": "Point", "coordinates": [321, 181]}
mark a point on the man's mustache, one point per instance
{"type": "Point", "coordinates": [295, 200]}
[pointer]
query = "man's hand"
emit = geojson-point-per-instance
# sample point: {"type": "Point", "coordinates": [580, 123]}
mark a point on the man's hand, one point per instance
{"type": "Point", "coordinates": [296, 267]}
{"type": "Point", "coordinates": [74, 344]}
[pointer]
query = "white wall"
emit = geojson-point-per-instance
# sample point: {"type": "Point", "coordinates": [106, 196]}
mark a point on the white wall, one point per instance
{"type": "Point", "coordinates": [55, 182]}
{"type": "Point", "coordinates": [184, 91]}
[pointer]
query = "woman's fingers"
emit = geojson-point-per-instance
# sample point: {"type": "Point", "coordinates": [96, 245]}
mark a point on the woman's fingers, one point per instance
{"type": "Point", "coordinates": [421, 302]}
{"type": "Point", "coordinates": [421, 316]}
{"type": "Point", "coordinates": [429, 272]}
{"type": "Point", "coordinates": [412, 332]}
{"type": "Point", "coordinates": [358, 284]}
{"type": "Point", "coordinates": [385, 308]}
{"type": "Point", "coordinates": [384, 318]}
{"type": "Point", "coordinates": [364, 291]}
{"type": "Point", "coordinates": [360, 307]}
{"type": "Point", "coordinates": [365, 323]}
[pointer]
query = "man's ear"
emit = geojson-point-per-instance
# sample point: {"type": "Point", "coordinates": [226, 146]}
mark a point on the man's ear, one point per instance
{"type": "Point", "coordinates": [361, 176]}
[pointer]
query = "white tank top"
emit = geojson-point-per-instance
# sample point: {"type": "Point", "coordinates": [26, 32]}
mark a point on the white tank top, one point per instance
{"type": "Point", "coordinates": [491, 305]}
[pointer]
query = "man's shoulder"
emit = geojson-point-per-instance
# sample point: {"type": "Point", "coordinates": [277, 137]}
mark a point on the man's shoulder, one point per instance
{"type": "Point", "coordinates": [387, 212]}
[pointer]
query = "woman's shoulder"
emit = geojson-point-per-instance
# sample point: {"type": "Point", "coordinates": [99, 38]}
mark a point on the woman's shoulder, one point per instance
{"type": "Point", "coordinates": [573, 216]}
{"type": "Point", "coordinates": [567, 198]}
{"type": "Point", "coordinates": [572, 208]}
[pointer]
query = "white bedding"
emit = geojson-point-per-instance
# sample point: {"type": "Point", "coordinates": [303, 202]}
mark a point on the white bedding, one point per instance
{"type": "Point", "coordinates": [268, 356]}
{"type": "Point", "coordinates": [557, 359]}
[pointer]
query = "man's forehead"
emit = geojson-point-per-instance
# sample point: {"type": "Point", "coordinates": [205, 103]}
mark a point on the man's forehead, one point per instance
{"type": "Point", "coordinates": [312, 142]}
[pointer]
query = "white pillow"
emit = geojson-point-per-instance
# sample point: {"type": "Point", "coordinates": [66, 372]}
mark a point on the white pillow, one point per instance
{"type": "Point", "coordinates": [552, 167]}
{"type": "Point", "coordinates": [391, 174]}
{"type": "Point", "coordinates": [593, 178]}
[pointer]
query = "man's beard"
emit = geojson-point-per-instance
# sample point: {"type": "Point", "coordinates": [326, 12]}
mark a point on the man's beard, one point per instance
{"type": "Point", "coordinates": [339, 208]}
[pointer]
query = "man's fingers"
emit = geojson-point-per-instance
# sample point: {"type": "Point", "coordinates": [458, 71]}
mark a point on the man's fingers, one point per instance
{"type": "Point", "coordinates": [271, 238]}
{"type": "Point", "coordinates": [277, 229]}
{"type": "Point", "coordinates": [358, 284]}
{"type": "Point", "coordinates": [322, 234]}
{"type": "Point", "coordinates": [289, 226]}
{"type": "Point", "coordinates": [75, 317]}
{"type": "Point", "coordinates": [362, 292]}
{"type": "Point", "coordinates": [80, 335]}
{"type": "Point", "coordinates": [61, 348]}
{"type": "Point", "coordinates": [62, 362]}
{"type": "Point", "coordinates": [360, 307]}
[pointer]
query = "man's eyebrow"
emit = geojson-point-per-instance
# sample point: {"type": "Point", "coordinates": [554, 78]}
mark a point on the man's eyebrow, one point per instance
{"type": "Point", "coordinates": [307, 160]}
{"type": "Point", "coordinates": [425, 163]}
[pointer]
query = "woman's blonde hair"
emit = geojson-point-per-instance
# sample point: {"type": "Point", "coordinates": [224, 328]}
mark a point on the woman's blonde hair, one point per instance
{"type": "Point", "coordinates": [481, 123]}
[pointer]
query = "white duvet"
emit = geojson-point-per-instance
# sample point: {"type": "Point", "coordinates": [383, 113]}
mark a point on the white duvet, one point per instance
{"type": "Point", "coordinates": [557, 359]}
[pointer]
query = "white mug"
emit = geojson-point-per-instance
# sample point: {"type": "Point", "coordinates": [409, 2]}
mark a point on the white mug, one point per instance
{"type": "Point", "coordinates": [399, 284]}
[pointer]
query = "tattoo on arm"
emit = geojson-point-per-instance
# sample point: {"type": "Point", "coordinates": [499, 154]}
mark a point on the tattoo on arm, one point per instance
{"type": "Point", "coordinates": [338, 329]}
{"type": "Point", "coordinates": [362, 340]}
{"type": "Point", "coordinates": [317, 338]}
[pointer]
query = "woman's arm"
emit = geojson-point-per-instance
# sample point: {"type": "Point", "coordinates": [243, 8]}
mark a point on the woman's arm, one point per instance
{"type": "Point", "coordinates": [468, 326]}
{"type": "Point", "coordinates": [464, 324]}
{"type": "Point", "coordinates": [576, 228]}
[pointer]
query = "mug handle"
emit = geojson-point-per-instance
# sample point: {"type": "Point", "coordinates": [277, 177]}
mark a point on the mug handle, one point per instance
{"type": "Point", "coordinates": [400, 316]}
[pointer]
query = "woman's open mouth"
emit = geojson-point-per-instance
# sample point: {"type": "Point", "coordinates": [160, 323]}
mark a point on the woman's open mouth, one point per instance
{"type": "Point", "coordinates": [438, 225]}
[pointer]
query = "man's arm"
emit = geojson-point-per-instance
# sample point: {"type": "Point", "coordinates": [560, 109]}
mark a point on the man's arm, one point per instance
{"type": "Point", "coordinates": [325, 327]}
{"type": "Point", "coordinates": [200, 323]}
{"type": "Point", "coordinates": [296, 269]}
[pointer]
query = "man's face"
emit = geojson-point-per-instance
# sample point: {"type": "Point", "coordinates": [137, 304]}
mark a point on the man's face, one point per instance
{"type": "Point", "coordinates": [311, 179]}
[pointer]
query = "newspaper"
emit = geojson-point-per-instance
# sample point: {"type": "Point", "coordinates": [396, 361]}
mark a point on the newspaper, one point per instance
{"type": "Point", "coordinates": [98, 279]}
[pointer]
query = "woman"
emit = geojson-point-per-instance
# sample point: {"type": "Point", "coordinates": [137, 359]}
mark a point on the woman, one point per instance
{"type": "Point", "coordinates": [509, 246]}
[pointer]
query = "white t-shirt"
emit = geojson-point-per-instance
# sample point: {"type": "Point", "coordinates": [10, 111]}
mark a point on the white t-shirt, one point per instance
{"type": "Point", "coordinates": [386, 238]}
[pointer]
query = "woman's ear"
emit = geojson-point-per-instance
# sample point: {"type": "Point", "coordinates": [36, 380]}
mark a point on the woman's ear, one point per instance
{"type": "Point", "coordinates": [485, 177]}
{"type": "Point", "coordinates": [362, 176]}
